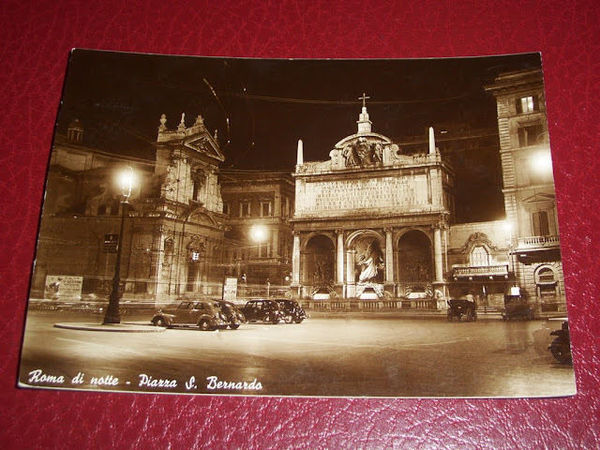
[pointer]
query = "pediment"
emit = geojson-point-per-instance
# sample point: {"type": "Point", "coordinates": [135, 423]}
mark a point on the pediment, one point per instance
{"type": "Point", "coordinates": [539, 197]}
{"type": "Point", "coordinates": [206, 145]}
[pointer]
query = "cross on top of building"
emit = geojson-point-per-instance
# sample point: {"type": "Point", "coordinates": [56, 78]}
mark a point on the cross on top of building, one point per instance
{"type": "Point", "coordinates": [364, 98]}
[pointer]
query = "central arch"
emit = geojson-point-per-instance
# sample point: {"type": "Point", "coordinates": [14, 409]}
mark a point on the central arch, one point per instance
{"type": "Point", "coordinates": [365, 250]}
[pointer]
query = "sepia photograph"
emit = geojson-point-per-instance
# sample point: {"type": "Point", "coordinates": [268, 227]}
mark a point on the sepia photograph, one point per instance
{"type": "Point", "coordinates": [298, 227]}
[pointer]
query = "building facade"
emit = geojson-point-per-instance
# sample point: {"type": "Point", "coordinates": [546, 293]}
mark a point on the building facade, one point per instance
{"type": "Point", "coordinates": [173, 241]}
{"type": "Point", "coordinates": [258, 206]}
{"type": "Point", "coordinates": [375, 221]}
{"type": "Point", "coordinates": [528, 189]}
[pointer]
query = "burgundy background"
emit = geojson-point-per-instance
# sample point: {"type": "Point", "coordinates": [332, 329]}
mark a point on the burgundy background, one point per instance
{"type": "Point", "coordinates": [35, 37]}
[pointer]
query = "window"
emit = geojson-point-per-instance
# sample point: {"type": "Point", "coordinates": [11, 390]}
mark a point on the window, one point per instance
{"type": "Point", "coordinates": [539, 222]}
{"type": "Point", "coordinates": [114, 207]}
{"type": "Point", "coordinates": [531, 135]}
{"type": "Point", "coordinates": [286, 207]}
{"type": "Point", "coordinates": [480, 256]}
{"type": "Point", "coordinates": [265, 209]}
{"type": "Point", "coordinates": [527, 104]}
{"type": "Point", "coordinates": [546, 275]}
{"type": "Point", "coordinates": [245, 209]}
{"type": "Point", "coordinates": [226, 208]}
{"type": "Point", "coordinates": [140, 287]}
{"type": "Point", "coordinates": [264, 250]}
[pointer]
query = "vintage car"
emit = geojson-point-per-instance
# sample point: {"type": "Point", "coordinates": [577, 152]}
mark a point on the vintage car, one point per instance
{"type": "Point", "coordinates": [457, 308]}
{"type": "Point", "coordinates": [561, 345]}
{"type": "Point", "coordinates": [292, 311]}
{"type": "Point", "coordinates": [262, 310]}
{"type": "Point", "coordinates": [516, 307]}
{"type": "Point", "coordinates": [232, 314]}
{"type": "Point", "coordinates": [205, 314]}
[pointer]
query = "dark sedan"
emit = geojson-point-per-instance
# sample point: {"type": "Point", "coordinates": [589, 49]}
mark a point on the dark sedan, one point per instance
{"type": "Point", "coordinates": [206, 315]}
{"type": "Point", "coordinates": [262, 310]}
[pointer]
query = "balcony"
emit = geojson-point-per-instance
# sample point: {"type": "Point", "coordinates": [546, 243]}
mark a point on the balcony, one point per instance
{"type": "Point", "coordinates": [459, 271]}
{"type": "Point", "coordinates": [538, 242]}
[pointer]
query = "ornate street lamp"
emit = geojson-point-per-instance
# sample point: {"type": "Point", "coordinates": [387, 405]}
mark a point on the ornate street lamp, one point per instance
{"type": "Point", "coordinates": [126, 180]}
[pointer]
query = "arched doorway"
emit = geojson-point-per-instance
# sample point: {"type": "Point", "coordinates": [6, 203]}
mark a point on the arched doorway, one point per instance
{"type": "Point", "coordinates": [318, 262]}
{"type": "Point", "coordinates": [414, 258]}
{"type": "Point", "coordinates": [546, 283]}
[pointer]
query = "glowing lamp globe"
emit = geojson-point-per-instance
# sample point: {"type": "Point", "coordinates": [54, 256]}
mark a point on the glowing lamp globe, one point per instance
{"type": "Point", "coordinates": [126, 180]}
{"type": "Point", "coordinates": [258, 233]}
{"type": "Point", "coordinates": [542, 163]}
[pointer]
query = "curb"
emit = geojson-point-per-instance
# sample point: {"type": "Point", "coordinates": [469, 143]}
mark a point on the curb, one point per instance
{"type": "Point", "coordinates": [110, 328]}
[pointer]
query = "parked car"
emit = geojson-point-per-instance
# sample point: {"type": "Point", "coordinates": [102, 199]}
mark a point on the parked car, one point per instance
{"type": "Point", "coordinates": [263, 310]}
{"type": "Point", "coordinates": [561, 345]}
{"type": "Point", "coordinates": [457, 308]}
{"type": "Point", "coordinates": [517, 307]}
{"type": "Point", "coordinates": [292, 311]}
{"type": "Point", "coordinates": [206, 315]}
{"type": "Point", "coordinates": [232, 314]}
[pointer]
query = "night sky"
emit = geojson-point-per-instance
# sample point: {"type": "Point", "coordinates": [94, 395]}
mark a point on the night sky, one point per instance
{"type": "Point", "coordinates": [270, 104]}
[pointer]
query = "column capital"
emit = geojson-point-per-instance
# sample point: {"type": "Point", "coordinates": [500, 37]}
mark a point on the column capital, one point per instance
{"type": "Point", "coordinates": [388, 230]}
{"type": "Point", "coordinates": [339, 231]}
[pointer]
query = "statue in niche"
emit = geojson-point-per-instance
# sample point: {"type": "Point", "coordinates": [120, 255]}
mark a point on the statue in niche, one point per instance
{"type": "Point", "coordinates": [371, 261]}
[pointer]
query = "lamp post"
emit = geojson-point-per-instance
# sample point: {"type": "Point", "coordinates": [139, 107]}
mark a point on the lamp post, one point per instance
{"type": "Point", "coordinates": [508, 227]}
{"type": "Point", "coordinates": [125, 181]}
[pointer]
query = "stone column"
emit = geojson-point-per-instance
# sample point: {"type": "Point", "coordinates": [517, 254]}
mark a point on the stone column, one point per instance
{"type": "Point", "coordinates": [389, 257]}
{"type": "Point", "coordinates": [340, 256]}
{"type": "Point", "coordinates": [159, 287]}
{"type": "Point", "coordinates": [296, 260]}
{"type": "Point", "coordinates": [275, 244]}
{"type": "Point", "coordinates": [350, 288]}
{"type": "Point", "coordinates": [437, 250]}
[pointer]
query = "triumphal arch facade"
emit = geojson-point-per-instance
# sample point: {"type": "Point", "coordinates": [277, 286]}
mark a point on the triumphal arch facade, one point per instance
{"type": "Point", "coordinates": [371, 222]}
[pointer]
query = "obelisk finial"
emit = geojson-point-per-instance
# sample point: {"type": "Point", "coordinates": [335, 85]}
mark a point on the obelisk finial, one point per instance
{"type": "Point", "coordinates": [300, 156]}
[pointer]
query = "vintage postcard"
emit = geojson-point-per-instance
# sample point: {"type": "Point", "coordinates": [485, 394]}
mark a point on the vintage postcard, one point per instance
{"type": "Point", "coordinates": [300, 228]}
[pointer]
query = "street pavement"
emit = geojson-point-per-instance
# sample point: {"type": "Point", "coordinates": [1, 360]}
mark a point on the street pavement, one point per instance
{"type": "Point", "coordinates": [323, 356]}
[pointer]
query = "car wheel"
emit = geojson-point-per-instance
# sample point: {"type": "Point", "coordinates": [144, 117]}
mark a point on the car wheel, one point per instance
{"type": "Point", "coordinates": [561, 351]}
{"type": "Point", "coordinates": [288, 318]}
{"type": "Point", "coordinates": [274, 320]}
{"type": "Point", "coordinates": [298, 320]}
{"type": "Point", "coordinates": [234, 326]}
{"type": "Point", "coordinates": [204, 325]}
{"type": "Point", "coordinates": [160, 322]}
{"type": "Point", "coordinates": [449, 317]}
